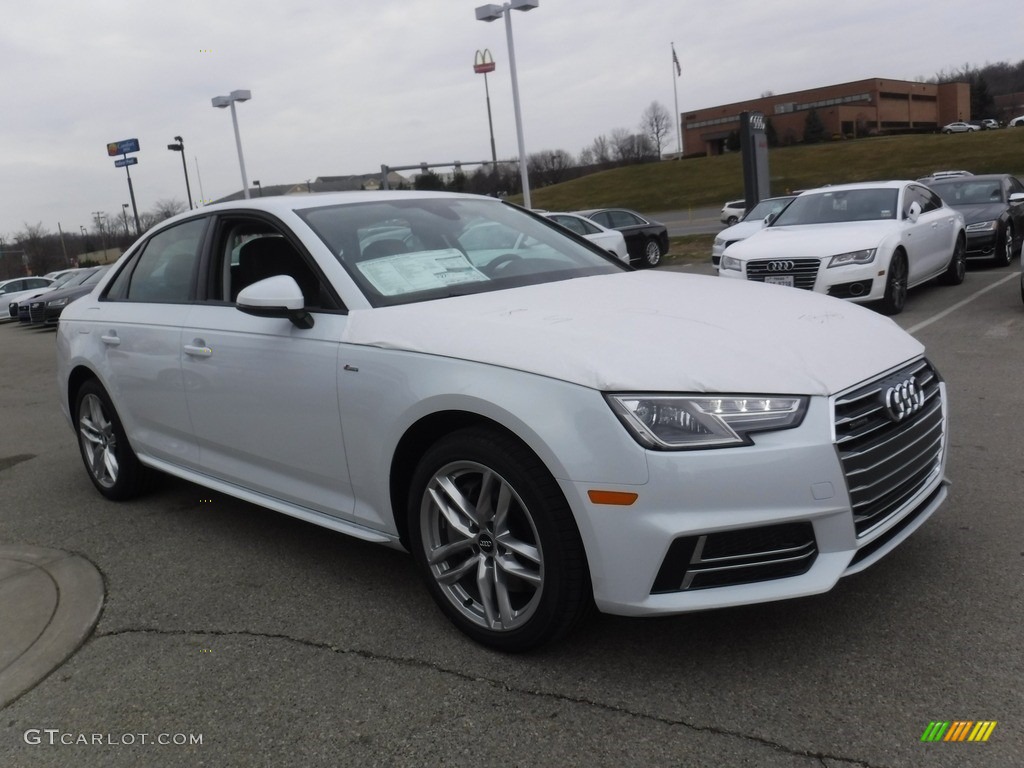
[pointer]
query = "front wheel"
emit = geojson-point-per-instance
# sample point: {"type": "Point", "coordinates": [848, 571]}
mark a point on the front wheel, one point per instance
{"type": "Point", "coordinates": [1004, 248]}
{"type": "Point", "coordinates": [957, 268]}
{"type": "Point", "coordinates": [112, 465]}
{"type": "Point", "coordinates": [496, 541]}
{"type": "Point", "coordinates": [652, 253]}
{"type": "Point", "coordinates": [895, 296]}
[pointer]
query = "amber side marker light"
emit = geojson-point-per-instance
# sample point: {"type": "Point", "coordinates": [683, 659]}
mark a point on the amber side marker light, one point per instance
{"type": "Point", "coordinates": [615, 498]}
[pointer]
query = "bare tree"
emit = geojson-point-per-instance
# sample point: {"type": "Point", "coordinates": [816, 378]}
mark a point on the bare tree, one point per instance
{"type": "Point", "coordinates": [630, 147]}
{"type": "Point", "coordinates": [549, 166]}
{"type": "Point", "coordinates": [600, 150]}
{"type": "Point", "coordinates": [656, 125]}
{"type": "Point", "coordinates": [162, 209]}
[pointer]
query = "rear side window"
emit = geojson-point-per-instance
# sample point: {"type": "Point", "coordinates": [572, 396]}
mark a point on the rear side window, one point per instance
{"type": "Point", "coordinates": [165, 270]}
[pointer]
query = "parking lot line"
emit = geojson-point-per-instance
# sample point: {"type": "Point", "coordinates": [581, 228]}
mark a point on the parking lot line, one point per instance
{"type": "Point", "coordinates": [949, 310]}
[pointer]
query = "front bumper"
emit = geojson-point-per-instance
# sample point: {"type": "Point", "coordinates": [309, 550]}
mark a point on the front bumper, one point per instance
{"type": "Point", "coordinates": [765, 522]}
{"type": "Point", "coordinates": [982, 245]}
{"type": "Point", "coordinates": [860, 283]}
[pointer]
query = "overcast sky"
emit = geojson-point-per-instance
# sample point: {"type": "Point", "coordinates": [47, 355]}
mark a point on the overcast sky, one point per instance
{"type": "Point", "coordinates": [341, 86]}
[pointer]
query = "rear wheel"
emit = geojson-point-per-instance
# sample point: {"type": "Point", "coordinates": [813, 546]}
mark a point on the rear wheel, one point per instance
{"type": "Point", "coordinates": [496, 542]}
{"type": "Point", "coordinates": [957, 269]}
{"type": "Point", "coordinates": [895, 296]}
{"type": "Point", "coordinates": [652, 253]}
{"type": "Point", "coordinates": [112, 465]}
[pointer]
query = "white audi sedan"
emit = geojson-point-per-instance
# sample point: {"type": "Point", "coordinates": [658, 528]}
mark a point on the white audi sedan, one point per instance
{"type": "Point", "coordinates": [371, 363]}
{"type": "Point", "coordinates": [867, 242]}
{"type": "Point", "coordinates": [611, 240]}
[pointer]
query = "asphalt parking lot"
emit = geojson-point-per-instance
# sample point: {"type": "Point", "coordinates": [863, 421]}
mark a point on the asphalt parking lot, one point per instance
{"type": "Point", "coordinates": [260, 640]}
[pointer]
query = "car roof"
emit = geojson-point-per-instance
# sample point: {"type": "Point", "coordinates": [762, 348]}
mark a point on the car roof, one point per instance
{"type": "Point", "coordinates": [889, 184]}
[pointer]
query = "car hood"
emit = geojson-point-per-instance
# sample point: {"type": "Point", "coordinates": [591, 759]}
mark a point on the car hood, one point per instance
{"type": "Point", "coordinates": [652, 331]}
{"type": "Point", "coordinates": [813, 240]}
{"type": "Point", "coordinates": [740, 231]}
{"type": "Point", "coordinates": [981, 212]}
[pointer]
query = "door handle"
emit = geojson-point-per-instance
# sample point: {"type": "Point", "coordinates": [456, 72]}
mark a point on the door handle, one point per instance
{"type": "Point", "coordinates": [198, 348]}
{"type": "Point", "coordinates": [111, 339]}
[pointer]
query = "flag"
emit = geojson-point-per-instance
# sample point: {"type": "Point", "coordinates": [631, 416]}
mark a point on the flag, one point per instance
{"type": "Point", "coordinates": [675, 60]}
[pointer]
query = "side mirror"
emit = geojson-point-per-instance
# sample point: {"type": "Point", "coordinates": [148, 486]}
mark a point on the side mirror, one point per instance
{"type": "Point", "coordinates": [278, 296]}
{"type": "Point", "coordinates": [1016, 198]}
{"type": "Point", "coordinates": [768, 220]}
{"type": "Point", "coordinates": [914, 212]}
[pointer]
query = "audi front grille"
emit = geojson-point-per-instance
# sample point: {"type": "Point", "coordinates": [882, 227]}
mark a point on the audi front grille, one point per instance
{"type": "Point", "coordinates": [803, 271]}
{"type": "Point", "coordinates": [890, 436]}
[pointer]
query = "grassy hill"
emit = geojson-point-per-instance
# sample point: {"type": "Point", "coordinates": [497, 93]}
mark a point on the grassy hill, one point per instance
{"type": "Point", "coordinates": [712, 180]}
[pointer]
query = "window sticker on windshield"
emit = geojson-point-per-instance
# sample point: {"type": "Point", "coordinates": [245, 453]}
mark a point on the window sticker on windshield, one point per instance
{"type": "Point", "coordinates": [410, 272]}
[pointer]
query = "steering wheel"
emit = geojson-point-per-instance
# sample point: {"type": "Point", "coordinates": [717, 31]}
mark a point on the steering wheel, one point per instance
{"type": "Point", "coordinates": [502, 261]}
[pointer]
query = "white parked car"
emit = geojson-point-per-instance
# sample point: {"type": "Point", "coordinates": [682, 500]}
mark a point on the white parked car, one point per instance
{"type": "Point", "coordinates": [864, 242]}
{"type": "Point", "coordinates": [610, 240]}
{"type": "Point", "coordinates": [752, 222]}
{"type": "Point", "coordinates": [733, 211]}
{"type": "Point", "coordinates": [1016, 122]}
{"type": "Point", "coordinates": [544, 429]}
{"type": "Point", "coordinates": [960, 127]}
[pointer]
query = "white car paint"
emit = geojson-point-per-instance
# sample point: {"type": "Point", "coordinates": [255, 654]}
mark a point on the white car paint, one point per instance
{"type": "Point", "coordinates": [927, 238]}
{"type": "Point", "coordinates": [610, 240]}
{"type": "Point", "coordinates": [309, 420]}
{"type": "Point", "coordinates": [753, 222]}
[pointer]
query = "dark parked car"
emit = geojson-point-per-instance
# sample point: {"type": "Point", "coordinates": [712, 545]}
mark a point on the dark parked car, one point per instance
{"type": "Point", "coordinates": [993, 209]}
{"type": "Point", "coordinates": [19, 310]}
{"type": "Point", "coordinates": [646, 239]}
{"type": "Point", "coordinates": [46, 309]}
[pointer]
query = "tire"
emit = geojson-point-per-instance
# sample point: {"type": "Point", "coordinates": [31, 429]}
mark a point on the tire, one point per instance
{"type": "Point", "coordinates": [1004, 248]}
{"type": "Point", "coordinates": [109, 460]}
{"type": "Point", "coordinates": [895, 296]}
{"type": "Point", "coordinates": [732, 220]}
{"type": "Point", "coordinates": [496, 541]}
{"type": "Point", "coordinates": [957, 269]}
{"type": "Point", "coordinates": [947, 132]}
{"type": "Point", "coordinates": [652, 253]}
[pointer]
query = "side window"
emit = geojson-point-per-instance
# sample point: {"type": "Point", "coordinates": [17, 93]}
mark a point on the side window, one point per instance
{"type": "Point", "coordinates": [250, 250]}
{"type": "Point", "coordinates": [604, 219]}
{"type": "Point", "coordinates": [164, 272]}
{"type": "Point", "coordinates": [623, 219]}
{"type": "Point", "coordinates": [576, 225]}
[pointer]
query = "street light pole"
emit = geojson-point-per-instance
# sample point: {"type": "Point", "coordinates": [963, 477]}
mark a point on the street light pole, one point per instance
{"type": "Point", "coordinates": [493, 13]}
{"type": "Point", "coordinates": [180, 147]}
{"type": "Point", "coordinates": [229, 101]}
{"type": "Point", "coordinates": [124, 213]}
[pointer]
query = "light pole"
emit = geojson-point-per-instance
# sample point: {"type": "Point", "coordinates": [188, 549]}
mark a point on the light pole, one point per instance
{"type": "Point", "coordinates": [229, 101]}
{"type": "Point", "coordinates": [124, 213]}
{"type": "Point", "coordinates": [256, 183]}
{"type": "Point", "coordinates": [493, 13]}
{"type": "Point", "coordinates": [483, 63]}
{"type": "Point", "coordinates": [180, 147]}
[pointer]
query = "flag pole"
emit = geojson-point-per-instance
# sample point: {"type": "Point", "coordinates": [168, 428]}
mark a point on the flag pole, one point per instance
{"type": "Point", "coordinates": [675, 89]}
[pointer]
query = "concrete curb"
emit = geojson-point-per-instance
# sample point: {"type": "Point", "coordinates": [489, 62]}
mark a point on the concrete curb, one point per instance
{"type": "Point", "coordinates": [50, 601]}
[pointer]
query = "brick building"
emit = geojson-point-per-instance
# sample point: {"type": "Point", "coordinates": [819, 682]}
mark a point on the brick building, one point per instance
{"type": "Point", "coordinates": [849, 110]}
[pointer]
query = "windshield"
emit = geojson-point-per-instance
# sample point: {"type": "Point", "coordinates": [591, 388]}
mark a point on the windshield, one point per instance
{"type": "Point", "coordinates": [969, 191]}
{"type": "Point", "coordinates": [765, 207]}
{"type": "Point", "coordinates": [416, 249]}
{"type": "Point", "coordinates": [840, 205]}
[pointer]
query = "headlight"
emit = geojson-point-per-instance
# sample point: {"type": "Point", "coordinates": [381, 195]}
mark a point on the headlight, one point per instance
{"type": "Point", "coordinates": [983, 226]}
{"type": "Point", "coordinates": [719, 242]}
{"type": "Point", "coordinates": [731, 262]}
{"type": "Point", "coordinates": [853, 257]}
{"type": "Point", "coordinates": [57, 302]}
{"type": "Point", "coordinates": [678, 422]}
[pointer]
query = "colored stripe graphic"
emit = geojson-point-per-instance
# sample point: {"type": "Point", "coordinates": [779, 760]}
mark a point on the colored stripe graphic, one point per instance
{"type": "Point", "coordinates": [958, 730]}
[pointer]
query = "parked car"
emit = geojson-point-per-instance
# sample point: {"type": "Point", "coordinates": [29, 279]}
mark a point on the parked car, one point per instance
{"type": "Point", "coordinates": [960, 127]}
{"type": "Point", "coordinates": [987, 124]}
{"type": "Point", "coordinates": [18, 284]}
{"type": "Point", "coordinates": [47, 308]}
{"type": "Point", "coordinates": [543, 431]}
{"type": "Point", "coordinates": [753, 221]}
{"type": "Point", "coordinates": [733, 211]}
{"type": "Point", "coordinates": [611, 240]}
{"type": "Point", "coordinates": [646, 239]}
{"type": "Point", "coordinates": [993, 210]}
{"type": "Point", "coordinates": [19, 309]}
{"type": "Point", "coordinates": [1016, 122]}
{"type": "Point", "coordinates": [943, 175]}
{"type": "Point", "coordinates": [866, 242]}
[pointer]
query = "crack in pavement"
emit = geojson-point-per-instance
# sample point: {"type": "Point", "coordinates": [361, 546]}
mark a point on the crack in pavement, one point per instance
{"type": "Point", "coordinates": [419, 663]}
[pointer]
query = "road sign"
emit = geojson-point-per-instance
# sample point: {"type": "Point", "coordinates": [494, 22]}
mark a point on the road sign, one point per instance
{"type": "Point", "coordinates": [122, 147]}
{"type": "Point", "coordinates": [125, 161]}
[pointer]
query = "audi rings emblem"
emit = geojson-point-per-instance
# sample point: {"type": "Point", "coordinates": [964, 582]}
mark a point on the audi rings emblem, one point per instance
{"type": "Point", "coordinates": [780, 266]}
{"type": "Point", "coordinates": [904, 400]}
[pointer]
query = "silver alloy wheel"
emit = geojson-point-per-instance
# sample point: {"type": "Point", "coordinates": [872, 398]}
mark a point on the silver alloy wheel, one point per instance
{"type": "Point", "coordinates": [652, 253]}
{"type": "Point", "coordinates": [1007, 255]}
{"type": "Point", "coordinates": [482, 546]}
{"type": "Point", "coordinates": [98, 441]}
